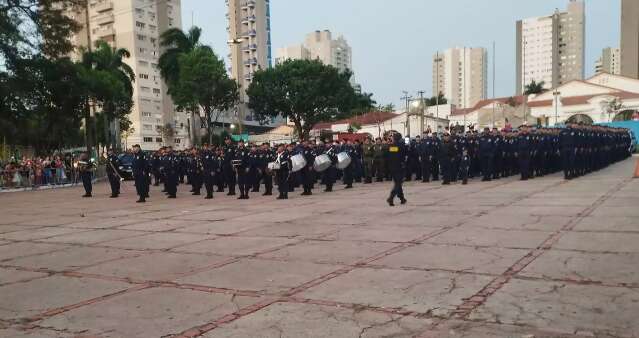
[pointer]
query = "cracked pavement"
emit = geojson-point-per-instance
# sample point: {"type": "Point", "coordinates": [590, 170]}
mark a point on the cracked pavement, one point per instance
{"type": "Point", "coordinates": [546, 258]}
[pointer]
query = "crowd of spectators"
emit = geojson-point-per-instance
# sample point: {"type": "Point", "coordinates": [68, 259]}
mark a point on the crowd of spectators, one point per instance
{"type": "Point", "coordinates": [37, 171]}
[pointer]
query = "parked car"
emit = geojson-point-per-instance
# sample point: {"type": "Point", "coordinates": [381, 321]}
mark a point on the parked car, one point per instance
{"type": "Point", "coordinates": [126, 166]}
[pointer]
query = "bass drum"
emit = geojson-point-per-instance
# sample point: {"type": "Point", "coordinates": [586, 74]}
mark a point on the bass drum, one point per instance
{"type": "Point", "coordinates": [299, 162]}
{"type": "Point", "coordinates": [272, 166]}
{"type": "Point", "coordinates": [343, 160]}
{"type": "Point", "coordinates": [322, 162]}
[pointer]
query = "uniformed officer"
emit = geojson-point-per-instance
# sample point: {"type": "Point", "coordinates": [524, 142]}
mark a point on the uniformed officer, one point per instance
{"type": "Point", "coordinates": [196, 171]}
{"type": "Point", "coordinates": [397, 164]}
{"type": "Point", "coordinates": [268, 157]}
{"type": "Point", "coordinates": [369, 160]}
{"type": "Point", "coordinates": [447, 153]}
{"type": "Point", "coordinates": [524, 152]}
{"type": "Point", "coordinates": [486, 154]}
{"type": "Point", "coordinates": [379, 164]}
{"type": "Point", "coordinates": [347, 147]}
{"type": "Point", "coordinates": [140, 167]}
{"type": "Point", "coordinates": [211, 167]}
{"type": "Point", "coordinates": [171, 166]}
{"type": "Point", "coordinates": [568, 151]}
{"type": "Point", "coordinates": [227, 167]}
{"type": "Point", "coordinates": [242, 168]}
{"type": "Point", "coordinates": [113, 173]}
{"type": "Point", "coordinates": [86, 173]}
{"type": "Point", "coordinates": [282, 174]}
{"type": "Point", "coordinates": [307, 172]}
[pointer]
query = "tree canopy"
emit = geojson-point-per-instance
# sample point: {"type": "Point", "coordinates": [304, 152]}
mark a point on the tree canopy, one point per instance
{"type": "Point", "coordinates": [203, 81]}
{"type": "Point", "coordinates": [534, 87]}
{"type": "Point", "coordinates": [304, 91]}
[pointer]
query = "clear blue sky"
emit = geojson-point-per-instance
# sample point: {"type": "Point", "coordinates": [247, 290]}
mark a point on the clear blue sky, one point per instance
{"type": "Point", "coordinates": [393, 40]}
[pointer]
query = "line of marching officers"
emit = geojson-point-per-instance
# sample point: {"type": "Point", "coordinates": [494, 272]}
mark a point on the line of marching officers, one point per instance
{"type": "Point", "coordinates": [451, 156]}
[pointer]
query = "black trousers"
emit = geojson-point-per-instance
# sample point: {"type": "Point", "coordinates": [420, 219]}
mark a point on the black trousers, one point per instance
{"type": "Point", "coordinates": [524, 166]}
{"type": "Point", "coordinates": [209, 181]}
{"type": "Point", "coordinates": [348, 175]}
{"type": "Point", "coordinates": [114, 181]}
{"type": "Point", "coordinates": [426, 167]}
{"type": "Point", "coordinates": [268, 182]}
{"type": "Point", "coordinates": [307, 178]}
{"type": "Point", "coordinates": [141, 186]}
{"type": "Point", "coordinates": [86, 182]}
{"type": "Point", "coordinates": [196, 182]}
{"type": "Point", "coordinates": [398, 180]}
{"type": "Point", "coordinates": [230, 178]}
{"type": "Point", "coordinates": [172, 183]}
{"type": "Point", "coordinates": [487, 167]}
{"type": "Point", "coordinates": [447, 170]}
{"type": "Point", "coordinates": [282, 182]}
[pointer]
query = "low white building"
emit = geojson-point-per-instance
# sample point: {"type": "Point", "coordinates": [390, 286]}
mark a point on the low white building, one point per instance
{"type": "Point", "coordinates": [601, 98]}
{"type": "Point", "coordinates": [378, 123]}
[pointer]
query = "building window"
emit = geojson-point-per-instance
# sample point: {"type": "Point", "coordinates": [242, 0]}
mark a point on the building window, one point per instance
{"type": "Point", "coordinates": [177, 141]}
{"type": "Point", "coordinates": [158, 139]}
{"type": "Point", "coordinates": [143, 63]}
{"type": "Point", "coordinates": [147, 127]}
{"type": "Point", "coordinates": [148, 139]}
{"type": "Point", "coordinates": [143, 76]}
{"type": "Point", "coordinates": [142, 50]}
{"type": "Point", "coordinates": [156, 91]}
{"type": "Point", "coordinates": [139, 24]}
{"type": "Point", "coordinates": [146, 114]}
{"type": "Point", "coordinates": [141, 37]}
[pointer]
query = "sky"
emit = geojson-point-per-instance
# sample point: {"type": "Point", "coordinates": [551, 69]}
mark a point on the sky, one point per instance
{"type": "Point", "coordinates": [393, 40]}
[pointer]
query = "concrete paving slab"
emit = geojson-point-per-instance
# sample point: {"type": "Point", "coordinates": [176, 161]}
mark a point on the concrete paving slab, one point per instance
{"type": "Point", "coordinates": [35, 333]}
{"type": "Point", "coordinates": [285, 320]}
{"type": "Point", "coordinates": [436, 293]}
{"type": "Point", "coordinates": [469, 329]}
{"type": "Point", "coordinates": [93, 236]}
{"type": "Point", "coordinates": [599, 242]}
{"type": "Point", "coordinates": [101, 223]}
{"type": "Point", "coordinates": [37, 234]}
{"type": "Point", "coordinates": [10, 275]}
{"type": "Point", "coordinates": [156, 312]}
{"type": "Point", "coordinates": [473, 236]}
{"type": "Point", "coordinates": [43, 294]}
{"type": "Point", "coordinates": [395, 234]}
{"type": "Point", "coordinates": [71, 259]}
{"type": "Point", "coordinates": [14, 227]}
{"type": "Point", "coordinates": [22, 249]}
{"type": "Point", "coordinates": [160, 266]}
{"type": "Point", "coordinates": [158, 225]}
{"type": "Point", "coordinates": [519, 222]}
{"type": "Point", "coordinates": [237, 246]}
{"type": "Point", "coordinates": [265, 276]}
{"type": "Point", "coordinates": [616, 268]}
{"type": "Point", "coordinates": [608, 223]}
{"type": "Point", "coordinates": [223, 227]}
{"type": "Point", "coordinates": [332, 252]}
{"type": "Point", "coordinates": [454, 258]}
{"type": "Point", "coordinates": [565, 307]}
{"type": "Point", "coordinates": [296, 229]}
{"type": "Point", "coordinates": [156, 241]}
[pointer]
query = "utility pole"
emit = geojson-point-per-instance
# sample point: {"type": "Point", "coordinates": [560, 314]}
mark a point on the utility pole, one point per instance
{"type": "Point", "coordinates": [493, 117]}
{"type": "Point", "coordinates": [89, 133]}
{"type": "Point", "coordinates": [464, 88]}
{"type": "Point", "coordinates": [437, 85]}
{"type": "Point", "coordinates": [423, 105]}
{"type": "Point", "coordinates": [407, 98]}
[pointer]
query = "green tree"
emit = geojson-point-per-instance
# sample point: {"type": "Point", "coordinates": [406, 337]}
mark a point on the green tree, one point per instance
{"type": "Point", "coordinates": [534, 88]}
{"type": "Point", "coordinates": [304, 91]}
{"type": "Point", "coordinates": [203, 81]}
{"type": "Point", "coordinates": [178, 43]}
{"type": "Point", "coordinates": [117, 101]}
{"type": "Point", "coordinates": [362, 103]}
{"type": "Point", "coordinates": [435, 100]}
{"type": "Point", "coordinates": [389, 108]}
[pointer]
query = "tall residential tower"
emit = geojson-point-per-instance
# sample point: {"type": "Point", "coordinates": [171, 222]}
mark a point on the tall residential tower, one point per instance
{"type": "Point", "coordinates": [551, 48]}
{"type": "Point", "coordinates": [609, 62]}
{"type": "Point", "coordinates": [461, 74]}
{"type": "Point", "coordinates": [630, 38]}
{"type": "Point", "coordinates": [136, 25]}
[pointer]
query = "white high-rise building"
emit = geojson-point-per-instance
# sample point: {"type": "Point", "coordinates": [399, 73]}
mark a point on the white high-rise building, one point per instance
{"type": "Point", "coordinates": [630, 38]}
{"type": "Point", "coordinates": [320, 45]}
{"type": "Point", "coordinates": [249, 27]}
{"type": "Point", "coordinates": [136, 25]}
{"type": "Point", "coordinates": [609, 61]}
{"type": "Point", "coordinates": [552, 48]}
{"type": "Point", "coordinates": [461, 74]}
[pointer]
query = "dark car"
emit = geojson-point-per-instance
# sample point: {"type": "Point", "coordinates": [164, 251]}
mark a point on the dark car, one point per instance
{"type": "Point", "coordinates": [126, 166]}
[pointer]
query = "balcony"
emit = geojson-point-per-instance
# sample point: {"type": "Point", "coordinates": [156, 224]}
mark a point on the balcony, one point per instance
{"type": "Point", "coordinates": [101, 33]}
{"type": "Point", "coordinates": [105, 19]}
{"type": "Point", "coordinates": [253, 46]}
{"type": "Point", "coordinates": [103, 6]}
{"type": "Point", "coordinates": [252, 33]}
{"type": "Point", "coordinates": [248, 4]}
{"type": "Point", "coordinates": [248, 76]}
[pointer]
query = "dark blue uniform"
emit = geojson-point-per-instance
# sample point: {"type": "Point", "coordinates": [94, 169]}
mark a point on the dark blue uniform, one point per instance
{"type": "Point", "coordinates": [140, 171]}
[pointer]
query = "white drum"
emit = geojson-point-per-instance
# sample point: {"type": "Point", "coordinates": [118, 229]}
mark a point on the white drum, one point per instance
{"type": "Point", "coordinates": [273, 166]}
{"type": "Point", "coordinates": [322, 162]}
{"type": "Point", "coordinates": [343, 160]}
{"type": "Point", "coordinates": [299, 162]}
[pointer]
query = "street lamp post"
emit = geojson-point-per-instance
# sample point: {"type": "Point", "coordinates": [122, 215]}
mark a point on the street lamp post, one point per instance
{"type": "Point", "coordinates": [423, 106]}
{"type": "Point", "coordinates": [556, 94]}
{"type": "Point", "coordinates": [237, 64]}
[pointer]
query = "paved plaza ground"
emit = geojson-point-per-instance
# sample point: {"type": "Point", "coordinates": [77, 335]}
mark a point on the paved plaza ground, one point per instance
{"type": "Point", "coordinates": [543, 258]}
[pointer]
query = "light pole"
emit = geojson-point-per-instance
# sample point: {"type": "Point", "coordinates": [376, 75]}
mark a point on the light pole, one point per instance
{"type": "Point", "coordinates": [237, 65]}
{"type": "Point", "coordinates": [421, 102]}
{"type": "Point", "coordinates": [556, 94]}
{"type": "Point", "coordinates": [407, 98]}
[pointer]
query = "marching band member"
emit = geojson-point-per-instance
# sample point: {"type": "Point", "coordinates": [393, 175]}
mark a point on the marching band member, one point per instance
{"type": "Point", "coordinates": [85, 166]}
{"type": "Point", "coordinates": [113, 163]}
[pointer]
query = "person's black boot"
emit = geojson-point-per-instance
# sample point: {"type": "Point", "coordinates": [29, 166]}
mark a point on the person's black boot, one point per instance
{"type": "Point", "coordinates": [390, 202]}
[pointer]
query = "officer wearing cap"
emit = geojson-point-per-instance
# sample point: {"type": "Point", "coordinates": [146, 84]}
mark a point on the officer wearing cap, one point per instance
{"type": "Point", "coordinates": [140, 167]}
{"type": "Point", "coordinates": [397, 164]}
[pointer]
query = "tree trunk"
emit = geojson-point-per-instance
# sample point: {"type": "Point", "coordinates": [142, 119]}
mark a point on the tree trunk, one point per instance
{"type": "Point", "coordinates": [209, 129]}
{"type": "Point", "coordinates": [88, 127]}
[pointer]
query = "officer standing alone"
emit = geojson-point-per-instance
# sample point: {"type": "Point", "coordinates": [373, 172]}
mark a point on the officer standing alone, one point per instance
{"type": "Point", "coordinates": [140, 167]}
{"type": "Point", "coordinates": [397, 165]}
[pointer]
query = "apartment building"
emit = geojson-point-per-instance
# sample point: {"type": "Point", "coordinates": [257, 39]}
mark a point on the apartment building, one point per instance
{"type": "Point", "coordinates": [551, 48]}
{"type": "Point", "coordinates": [136, 25]}
{"type": "Point", "coordinates": [630, 38]}
{"type": "Point", "coordinates": [461, 74]}
{"type": "Point", "coordinates": [609, 61]}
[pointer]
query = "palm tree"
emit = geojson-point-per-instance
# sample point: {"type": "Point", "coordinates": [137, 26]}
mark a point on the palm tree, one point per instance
{"type": "Point", "coordinates": [118, 104]}
{"type": "Point", "coordinates": [178, 43]}
{"type": "Point", "coordinates": [534, 88]}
